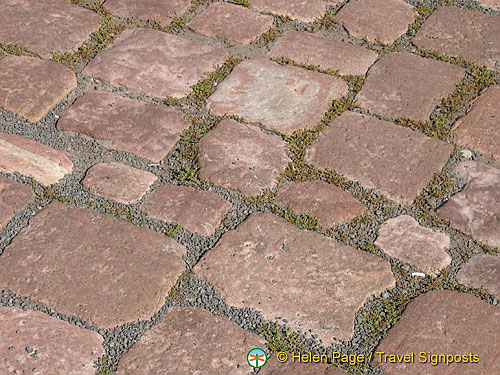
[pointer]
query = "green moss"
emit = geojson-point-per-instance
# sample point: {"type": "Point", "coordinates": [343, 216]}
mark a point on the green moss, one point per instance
{"type": "Point", "coordinates": [171, 101]}
{"type": "Point", "coordinates": [280, 340]}
{"type": "Point", "coordinates": [12, 49]}
{"type": "Point", "coordinates": [301, 220]}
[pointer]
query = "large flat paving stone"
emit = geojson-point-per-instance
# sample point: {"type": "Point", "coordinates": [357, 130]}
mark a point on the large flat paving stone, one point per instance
{"type": "Point", "coordinates": [174, 63]}
{"type": "Point", "coordinates": [273, 367]}
{"type": "Point", "coordinates": [158, 10]}
{"type": "Point", "coordinates": [392, 159]}
{"type": "Point", "coordinates": [31, 87]}
{"type": "Point", "coordinates": [241, 157]}
{"type": "Point", "coordinates": [191, 341]}
{"type": "Point", "coordinates": [13, 197]}
{"type": "Point", "coordinates": [482, 271]}
{"type": "Point", "coordinates": [307, 10]}
{"type": "Point", "coordinates": [83, 263]}
{"type": "Point", "coordinates": [403, 85]}
{"type": "Point", "coordinates": [46, 26]}
{"type": "Point", "coordinates": [282, 98]}
{"type": "Point", "coordinates": [449, 323]}
{"type": "Point", "coordinates": [312, 281]}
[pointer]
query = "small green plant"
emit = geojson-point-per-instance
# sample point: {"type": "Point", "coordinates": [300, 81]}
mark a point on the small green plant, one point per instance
{"type": "Point", "coordinates": [280, 340]}
{"type": "Point", "coordinates": [13, 49]}
{"type": "Point", "coordinates": [245, 3]}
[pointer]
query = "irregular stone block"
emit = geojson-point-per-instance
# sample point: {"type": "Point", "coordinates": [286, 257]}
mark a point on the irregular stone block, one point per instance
{"type": "Point", "coordinates": [298, 9]}
{"type": "Point", "coordinates": [158, 10]}
{"type": "Point", "coordinates": [13, 197]}
{"type": "Point", "coordinates": [482, 272]}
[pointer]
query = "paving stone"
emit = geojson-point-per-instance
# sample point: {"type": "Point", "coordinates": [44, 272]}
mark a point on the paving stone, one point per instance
{"type": "Point", "coordinates": [394, 160]}
{"type": "Point", "coordinates": [174, 63]}
{"type": "Point", "coordinates": [493, 4]}
{"type": "Point", "coordinates": [482, 271]}
{"type": "Point", "coordinates": [328, 203]}
{"type": "Point", "coordinates": [118, 182]}
{"type": "Point", "coordinates": [158, 10]}
{"type": "Point", "coordinates": [144, 129]}
{"type": "Point", "coordinates": [273, 367]}
{"type": "Point", "coordinates": [86, 264]}
{"type": "Point", "coordinates": [282, 98]}
{"type": "Point", "coordinates": [57, 347]}
{"type": "Point", "coordinates": [476, 209]}
{"type": "Point", "coordinates": [30, 158]}
{"type": "Point", "coordinates": [13, 197]}
{"type": "Point", "coordinates": [449, 323]}
{"type": "Point", "coordinates": [46, 26]}
{"type": "Point", "coordinates": [312, 281]}
{"type": "Point", "coordinates": [191, 341]}
{"type": "Point", "coordinates": [231, 22]}
{"type": "Point", "coordinates": [316, 49]}
{"type": "Point", "coordinates": [403, 85]}
{"type": "Point", "coordinates": [369, 19]}
{"type": "Point", "coordinates": [31, 87]}
{"type": "Point", "coordinates": [403, 238]}
{"type": "Point", "coordinates": [303, 10]}
{"type": "Point", "coordinates": [241, 157]}
{"type": "Point", "coordinates": [196, 210]}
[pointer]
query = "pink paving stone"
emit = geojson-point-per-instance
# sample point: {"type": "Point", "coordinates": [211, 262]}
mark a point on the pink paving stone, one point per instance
{"type": "Point", "coordinates": [282, 98]}
{"type": "Point", "coordinates": [445, 322]}
{"type": "Point", "coordinates": [394, 160]}
{"type": "Point", "coordinates": [303, 10]}
{"type": "Point", "coordinates": [241, 157]}
{"type": "Point", "coordinates": [31, 87]}
{"type": "Point", "coordinates": [312, 281]}
{"type": "Point", "coordinates": [231, 22]}
{"type": "Point", "coordinates": [90, 266]}
{"type": "Point", "coordinates": [273, 367]}
{"type": "Point", "coordinates": [482, 271]}
{"type": "Point", "coordinates": [61, 348]}
{"type": "Point", "coordinates": [493, 4]}
{"type": "Point", "coordinates": [13, 197]}
{"type": "Point", "coordinates": [158, 10]}
{"type": "Point", "coordinates": [403, 85]}
{"type": "Point", "coordinates": [191, 341]}
{"type": "Point", "coordinates": [174, 63]}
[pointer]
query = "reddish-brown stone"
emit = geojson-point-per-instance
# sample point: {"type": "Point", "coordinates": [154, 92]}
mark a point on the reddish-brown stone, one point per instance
{"type": "Point", "coordinates": [273, 367]}
{"type": "Point", "coordinates": [158, 10]}
{"type": "Point", "coordinates": [493, 4]}
{"type": "Point", "coordinates": [13, 197]}
{"type": "Point", "coordinates": [298, 9]}
{"type": "Point", "coordinates": [482, 271]}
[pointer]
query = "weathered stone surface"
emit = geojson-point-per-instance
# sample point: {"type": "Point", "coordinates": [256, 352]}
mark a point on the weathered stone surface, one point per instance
{"type": "Point", "coordinates": [60, 347]}
{"type": "Point", "coordinates": [273, 367]}
{"type": "Point", "coordinates": [83, 263]}
{"type": "Point", "coordinates": [30, 158]}
{"type": "Point", "coordinates": [196, 210]}
{"type": "Point", "coordinates": [377, 20]}
{"type": "Point", "coordinates": [393, 159]}
{"type": "Point", "coordinates": [191, 341]}
{"type": "Point", "coordinates": [174, 63]}
{"type": "Point", "coordinates": [403, 238]}
{"type": "Point", "coordinates": [231, 22]}
{"type": "Point", "coordinates": [316, 49]}
{"type": "Point", "coordinates": [302, 10]}
{"type": "Point", "coordinates": [282, 98]}
{"type": "Point", "coordinates": [144, 129]}
{"type": "Point", "coordinates": [328, 203]}
{"type": "Point", "coordinates": [445, 322]}
{"type": "Point", "coordinates": [118, 182]}
{"type": "Point", "coordinates": [31, 87]}
{"type": "Point", "coordinates": [13, 197]}
{"type": "Point", "coordinates": [310, 280]}
{"type": "Point", "coordinates": [482, 271]}
{"type": "Point", "coordinates": [46, 26]}
{"type": "Point", "coordinates": [456, 31]}
{"type": "Point", "coordinates": [158, 10]}
{"type": "Point", "coordinates": [403, 85]}
{"type": "Point", "coordinates": [241, 157]}
{"type": "Point", "coordinates": [493, 4]}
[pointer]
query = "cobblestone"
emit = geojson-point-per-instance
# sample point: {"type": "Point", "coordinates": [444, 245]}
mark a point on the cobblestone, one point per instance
{"type": "Point", "coordinates": [158, 10]}
{"type": "Point", "coordinates": [298, 9]}
{"type": "Point", "coordinates": [482, 272]}
{"type": "Point", "coordinates": [13, 197]}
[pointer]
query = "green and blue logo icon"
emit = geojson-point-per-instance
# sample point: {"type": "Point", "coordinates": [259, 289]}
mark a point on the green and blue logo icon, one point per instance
{"type": "Point", "coordinates": [257, 358]}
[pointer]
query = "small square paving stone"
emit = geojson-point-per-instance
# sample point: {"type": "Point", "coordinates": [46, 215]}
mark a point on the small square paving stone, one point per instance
{"type": "Point", "coordinates": [90, 265]}
{"type": "Point", "coordinates": [482, 271]}
{"type": "Point", "coordinates": [36, 343]}
{"type": "Point", "coordinates": [282, 98]}
{"type": "Point", "coordinates": [394, 160]}
{"type": "Point", "coordinates": [403, 85]}
{"type": "Point", "coordinates": [312, 281]}
{"type": "Point", "coordinates": [242, 157]}
{"type": "Point", "coordinates": [303, 10]}
{"type": "Point", "coordinates": [173, 63]}
{"type": "Point", "coordinates": [13, 197]}
{"type": "Point", "coordinates": [273, 367]}
{"type": "Point", "coordinates": [31, 87]}
{"type": "Point", "coordinates": [444, 322]}
{"type": "Point", "coordinates": [158, 10]}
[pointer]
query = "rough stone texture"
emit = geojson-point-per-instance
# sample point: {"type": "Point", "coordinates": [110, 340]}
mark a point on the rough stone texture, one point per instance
{"type": "Point", "coordinates": [30, 87]}
{"type": "Point", "coordinates": [118, 182]}
{"type": "Point", "coordinates": [144, 129]}
{"type": "Point", "coordinates": [241, 157]}
{"type": "Point", "coordinates": [273, 367]}
{"type": "Point", "coordinates": [328, 203]}
{"type": "Point", "coordinates": [316, 49]}
{"type": "Point", "coordinates": [231, 22]}
{"type": "Point", "coordinates": [310, 280]}
{"type": "Point", "coordinates": [158, 10]}
{"type": "Point", "coordinates": [482, 271]}
{"type": "Point", "coordinates": [303, 10]}
{"type": "Point", "coordinates": [493, 4]}
{"type": "Point", "coordinates": [476, 209]}
{"type": "Point", "coordinates": [13, 197]}
{"type": "Point", "coordinates": [392, 159]}
{"type": "Point", "coordinates": [445, 322]}
{"type": "Point", "coordinates": [46, 26]}
{"type": "Point", "coordinates": [174, 63]}
{"type": "Point", "coordinates": [403, 85]}
{"type": "Point", "coordinates": [282, 98]}
{"type": "Point", "coordinates": [403, 238]}
{"type": "Point", "coordinates": [377, 20]}
{"type": "Point", "coordinates": [456, 31]}
{"type": "Point", "coordinates": [61, 348]}
{"type": "Point", "coordinates": [30, 158]}
{"type": "Point", "coordinates": [191, 341]}
{"type": "Point", "coordinates": [196, 210]}
{"type": "Point", "coordinates": [83, 263]}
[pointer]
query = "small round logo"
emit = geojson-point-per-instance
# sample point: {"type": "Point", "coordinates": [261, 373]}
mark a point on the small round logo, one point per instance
{"type": "Point", "coordinates": [256, 358]}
